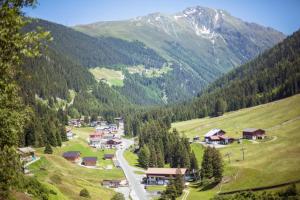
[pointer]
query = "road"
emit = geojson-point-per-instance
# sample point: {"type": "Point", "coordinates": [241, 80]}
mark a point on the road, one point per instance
{"type": "Point", "coordinates": [137, 191]}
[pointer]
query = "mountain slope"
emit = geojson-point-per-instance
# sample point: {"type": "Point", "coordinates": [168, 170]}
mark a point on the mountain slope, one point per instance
{"type": "Point", "coordinates": [273, 75]}
{"type": "Point", "coordinates": [207, 41]}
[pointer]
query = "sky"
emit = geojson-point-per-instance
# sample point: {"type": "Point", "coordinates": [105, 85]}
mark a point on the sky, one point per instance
{"type": "Point", "coordinates": [282, 15]}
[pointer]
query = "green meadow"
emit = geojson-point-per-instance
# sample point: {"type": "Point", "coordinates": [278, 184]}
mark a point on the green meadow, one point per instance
{"type": "Point", "coordinates": [268, 162]}
{"type": "Point", "coordinates": [113, 77]}
{"type": "Point", "coordinates": [66, 178]}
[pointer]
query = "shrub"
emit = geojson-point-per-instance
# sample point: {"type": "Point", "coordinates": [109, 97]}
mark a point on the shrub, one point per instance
{"type": "Point", "coordinates": [118, 196]}
{"type": "Point", "coordinates": [48, 149]}
{"type": "Point", "coordinates": [84, 193]}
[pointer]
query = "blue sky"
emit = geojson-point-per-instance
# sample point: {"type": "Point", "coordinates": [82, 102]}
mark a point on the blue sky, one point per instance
{"type": "Point", "coordinates": [283, 15]}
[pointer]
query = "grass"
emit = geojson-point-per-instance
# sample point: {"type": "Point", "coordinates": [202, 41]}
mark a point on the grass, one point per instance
{"type": "Point", "coordinates": [113, 77]}
{"type": "Point", "coordinates": [131, 158]}
{"type": "Point", "coordinates": [266, 163]}
{"type": "Point", "coordinates": [152, 188]}
{"type": "Point", "coordinates": [66, 178]}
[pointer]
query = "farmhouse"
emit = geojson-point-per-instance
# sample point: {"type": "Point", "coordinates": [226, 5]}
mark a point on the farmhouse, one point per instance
{"type": "Point", "coordinates": [109, 156]}
{"type": "Point", "coordinates": [212, 136]}
{"type": "Point", "coordinates": [73, 156]}
{"type": "Point", "coordinates": [253, 133]}
{"type": "Point", "coordinates": [89, 161]}
{"type": "Point", "coordinates": [27, 154]}
{"type": "Point", "coordinates": [113, 143]}
{"type": "Point", "coordinates": [161, 176]}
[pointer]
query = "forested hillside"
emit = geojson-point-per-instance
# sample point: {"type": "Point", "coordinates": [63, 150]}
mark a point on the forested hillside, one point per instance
{"type": "Point", "coordinates": [93, 52]}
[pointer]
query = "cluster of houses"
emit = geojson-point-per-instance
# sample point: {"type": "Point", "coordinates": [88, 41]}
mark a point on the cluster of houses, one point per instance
{"type": "Point", "coordinates": [217, 136]}
{"type": "Point", "coordinates": [80, 122]}
{"type": "Point", "coordinates": [75, 157]}
{"type": "Point", "coordinates": [105, 137]}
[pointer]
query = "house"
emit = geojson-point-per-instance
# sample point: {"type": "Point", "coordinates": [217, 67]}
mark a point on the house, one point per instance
{"type": "Point", "coordinates": [109, 156]}
{"type": "Point", "coordinates": [27, 154]}
{"type": "Point", "coordinates": [212, 136]}
{"type": "Point", "coordinates": [89, 161]}
{"type": "Point", "coordinates": [225, 139]}
{"type": "Point", "coordinates": [113, 127]}
{"type": "Point", "coordinates": [162, 176]}
{"type": "Point", "coordinates": [113, 143]}
{"type": "Point", "coordinates": [95, 140]}
{"type": "Point", "coordinates": [111, 183]}
{"type": "Point", "coordinates": [73, 156]}
{"type": "Point", "coordinates": [254, 133]}
{"type": "Point", "coordinates": [70, 134]}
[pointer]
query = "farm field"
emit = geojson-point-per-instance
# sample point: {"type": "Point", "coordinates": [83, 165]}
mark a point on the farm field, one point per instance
{"type": "Point", "coordinates": [113, 77]}
{"type": "Point", "coordinates": [268, 162]}
{"type": "Point", "coordinates": [66, 178]}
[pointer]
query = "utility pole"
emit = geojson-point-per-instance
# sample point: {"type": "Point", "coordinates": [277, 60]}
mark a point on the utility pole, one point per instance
{"type": "Point", "coordinates": [228, 154]}
{"type": "Point", "coordinates": [243, 150]}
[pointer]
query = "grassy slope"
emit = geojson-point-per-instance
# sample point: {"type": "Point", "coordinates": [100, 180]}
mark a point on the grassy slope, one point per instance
{"type": "Point", "coordinates": [75, 177]}
{"type": "Point", "coordinates": [113, 77]}
{"type": "Point", "coordinates": [266, 163]}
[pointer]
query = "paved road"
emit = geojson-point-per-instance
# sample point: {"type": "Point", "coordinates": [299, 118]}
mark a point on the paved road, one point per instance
{"type": "Point", "coordinates": [137, 191]}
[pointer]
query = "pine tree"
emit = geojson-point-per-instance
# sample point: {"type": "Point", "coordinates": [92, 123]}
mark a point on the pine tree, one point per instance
{"type": "Point", "coordinates": [170, 193]}
{"type": "Point", "coordinates": [179, 181]}
{"type": "Point", "coordinates": [194, 162]}
{"type": "Point", "coordinates": [48, 149]}
{"type": "Point", "coordinates": [144, 156]}
{"type": "Point", "coordinates": [153, 157]}
{"type": "Point", "coordinates": [15, 45]}
{"type": "Point", "coordinates": [206, 165]}
{"type": "Point", "coordinates": [217, 165]}
{"type": "Point", "coordinates": [160, 158]}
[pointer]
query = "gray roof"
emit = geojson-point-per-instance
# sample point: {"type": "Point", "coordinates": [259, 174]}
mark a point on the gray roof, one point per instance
{"type": "Point", "coordinates": [26, 150]}
{"type": "Point", "coordinates": [250, 129]}
{"type": "Point", "coordinates": [212, 132]}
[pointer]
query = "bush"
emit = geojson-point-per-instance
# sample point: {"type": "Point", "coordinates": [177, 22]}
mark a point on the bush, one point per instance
{"type": "Point", "coordinates": [118, 196]}
{"type": "Point", "coordinates": [35, 188]}
{"type": "Point", "coordinates": [84, 193]}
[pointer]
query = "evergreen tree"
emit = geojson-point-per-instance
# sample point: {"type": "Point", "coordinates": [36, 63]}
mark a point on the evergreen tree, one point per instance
{"type": "Point", "coordinates": [48, 149]}
{"type": "Point", "coordinates": [118, 196]}
{"type": "Point", "coordinates": [206, 165]}
{"type": "Point", "coordinates": [179, 182]}
{"type": "Point", "coordinates": [144, 156]}
{"type": "Point", "coordinates": [170, 193]}
{"type": "Point", "coordinates": [217, 164]}
{"type": "Point", "coordinates": [153, 157]}
{"type": "Point", "coordinates": [160, 158]}
{"type": "Point", "coordinates": [14, 45]}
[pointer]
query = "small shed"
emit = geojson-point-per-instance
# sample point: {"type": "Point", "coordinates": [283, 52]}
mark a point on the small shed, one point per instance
{"type": "Point", "coordinates": [254, 133]}
{"type": "Point", "coordinates": [109, 156]}
{"type": "Point", "coordinates": [27, 154]}
{"type": "Point", "coordinates": [89, 161]}
{"type": "Point", "coordinates": [73, 156]}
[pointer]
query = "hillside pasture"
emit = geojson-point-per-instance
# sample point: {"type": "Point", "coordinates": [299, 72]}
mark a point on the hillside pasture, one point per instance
{"type": "Point", "coordinates": [67, 178]}
{"type": "Point", "coordinates": [112, 77]}
{"type": "Point", "coordinates": [267, 162]}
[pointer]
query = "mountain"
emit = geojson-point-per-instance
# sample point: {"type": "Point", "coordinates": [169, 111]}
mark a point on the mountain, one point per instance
{"type": "Point", "coordinates": [205, 42]}
{"type": "Point", "coordinates": [273, 75]}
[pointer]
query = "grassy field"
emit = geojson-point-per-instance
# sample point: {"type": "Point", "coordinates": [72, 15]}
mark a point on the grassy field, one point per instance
{"type": "Point", "coordinates": [268, 162]}
{"type": "Point", "coordinates": [131, 158]}
{"type": "Point", "coordinates": [113, 77]}
{"type": "Point", "coordinates": [66, 178]}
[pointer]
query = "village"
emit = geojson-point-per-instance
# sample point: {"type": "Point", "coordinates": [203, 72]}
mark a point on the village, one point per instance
{"type": "Point", "coordinates": [110, 136]}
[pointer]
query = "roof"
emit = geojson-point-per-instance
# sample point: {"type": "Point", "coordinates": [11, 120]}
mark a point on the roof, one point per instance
{"type": "Point", "coordinates": [89, 159]}
{"type": "Point", "coordinates": [109, 155]}
{"type": "Point", "coordinates": [26, 150]}
{"type": "Point", "coordinates": [250, 129]}
{"type": "Point", "coordinates": [212, 132]}
{"type": "Point", "coordinates": [162, 171]}
{"type": "Point", "coordinates": [71, 154]}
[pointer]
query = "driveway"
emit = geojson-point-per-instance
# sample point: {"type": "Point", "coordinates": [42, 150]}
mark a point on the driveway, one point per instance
{"type": "Point", "coordinates": [137, 191]}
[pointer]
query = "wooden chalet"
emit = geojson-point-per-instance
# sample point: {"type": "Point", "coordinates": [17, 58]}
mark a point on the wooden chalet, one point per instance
{"type": "Point", "coordinates": [254, 133]}
{"type": "Point", "coordinates": [162, 176]}
{"type": "Point", "coordinates": [73, 156]}
{"type": "Point", "coordinates": [109, 156]}
{"type": "Point", "coordinates": [89, 161]}
{"type": "Point", "coordinates": [27, 154]}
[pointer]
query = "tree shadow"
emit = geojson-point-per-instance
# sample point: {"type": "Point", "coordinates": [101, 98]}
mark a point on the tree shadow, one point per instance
{"type": "Point", "coordinates": [209, 186]}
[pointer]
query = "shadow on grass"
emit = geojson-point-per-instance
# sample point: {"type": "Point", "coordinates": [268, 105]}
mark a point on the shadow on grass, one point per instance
{"type": "Point", "coordinates": [202, 187]}
{"type": "Point", "coordinates": [209, 186]}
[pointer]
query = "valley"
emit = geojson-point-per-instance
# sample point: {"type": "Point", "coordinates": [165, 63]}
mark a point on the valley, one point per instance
{"type": "Point", "coordinates": [196, 103]}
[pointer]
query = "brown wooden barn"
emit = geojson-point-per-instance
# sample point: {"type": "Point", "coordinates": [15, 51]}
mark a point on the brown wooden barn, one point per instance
{"type": "Point", "coordinates": [73, 156]}
{"type": "Point", "coordinates": [89, 161]}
